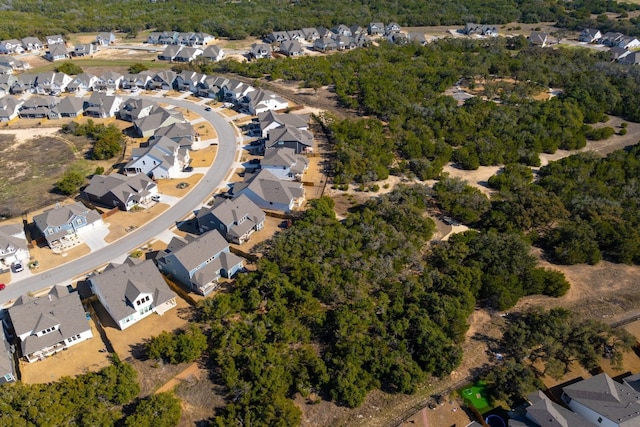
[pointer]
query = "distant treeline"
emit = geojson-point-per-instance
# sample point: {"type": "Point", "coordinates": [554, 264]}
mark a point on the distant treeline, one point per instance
{"type": "Point", "coordinates": [239, 19]}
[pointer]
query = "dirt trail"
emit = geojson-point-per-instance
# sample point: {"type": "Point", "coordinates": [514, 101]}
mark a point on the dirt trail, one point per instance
{"type": "Point", "coordinates": [188, 372]}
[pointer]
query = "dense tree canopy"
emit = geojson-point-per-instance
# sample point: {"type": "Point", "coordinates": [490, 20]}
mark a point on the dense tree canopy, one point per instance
{"type": "Point", "coordinates": [239, 19]}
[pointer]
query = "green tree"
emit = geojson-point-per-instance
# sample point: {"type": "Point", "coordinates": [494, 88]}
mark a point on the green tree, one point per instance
{"type": "Point", "coordinates": [70, 182]}
{"type": "Point", "coordinates": [138, 67]}
{"type": "Point", "coordinates": [158, 410]}
{"type": "Point", "coordinates": [69, 68]}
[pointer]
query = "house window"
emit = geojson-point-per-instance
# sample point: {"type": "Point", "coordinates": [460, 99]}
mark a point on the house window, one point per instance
{"type": "Point", "coordinates": [79, 221]}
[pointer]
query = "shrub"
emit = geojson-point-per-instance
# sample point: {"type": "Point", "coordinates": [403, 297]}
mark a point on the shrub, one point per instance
{"type": "Point", "coordinates": [69, 68]}
{"type": "Point", "coordinates": [70, 182]}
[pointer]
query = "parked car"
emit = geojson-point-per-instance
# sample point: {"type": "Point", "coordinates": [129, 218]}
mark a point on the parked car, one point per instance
{"type": "Point", "coordinates": [207, 109]}
{"type": "Point", "coordinates": [2, 286]}
{"type": "Point", "coordinates": [155, 197]}
{"type": "Point", "coordinates": [17, 267]}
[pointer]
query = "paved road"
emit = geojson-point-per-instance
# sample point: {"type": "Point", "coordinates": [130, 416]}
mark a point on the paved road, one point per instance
{"type": "Point", "coordinates": [213, 179]}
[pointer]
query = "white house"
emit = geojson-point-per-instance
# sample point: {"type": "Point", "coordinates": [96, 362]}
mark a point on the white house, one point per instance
{"type": "Point", "coordinates": [49, 324]}
{"type": "Point", "coordinates": [132, 291]}
{"type": "Point", "coordinates": [13, 245]}
{"type": "Point", "coordinates": [213, 53]}
{"type": "Point", "coordinates": [268, 192]}
{"type": "Point", "coordinates": [162, 159]}
{"type": "Point", "coordinates": [260, 101]}
{"type": "Point", "coordinates": [284, 163]}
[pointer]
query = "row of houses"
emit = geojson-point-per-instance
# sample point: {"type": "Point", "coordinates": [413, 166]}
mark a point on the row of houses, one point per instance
{"type": "Point", "coordinates": [311, 34]}
{"type": "Point", "coordinates": [98, 105]}
{"type": "Point", "coordinates": [177, 38]}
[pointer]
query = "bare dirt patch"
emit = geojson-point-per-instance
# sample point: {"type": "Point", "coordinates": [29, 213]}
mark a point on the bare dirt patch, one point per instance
{"type": "Point", "coordinates": [48, 259]}
{"type": "Point", "coordinates": [205, 131]}
{"type": "Point", "coordinates": [79, 359]}
{"type": "Point", "coordinates": [122, 222]}
{"type": "Point", "coordinates": [168, 186]}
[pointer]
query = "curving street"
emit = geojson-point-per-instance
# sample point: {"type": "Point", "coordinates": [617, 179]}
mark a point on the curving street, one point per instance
{"type": "Point", "coordinates": [214, 177]}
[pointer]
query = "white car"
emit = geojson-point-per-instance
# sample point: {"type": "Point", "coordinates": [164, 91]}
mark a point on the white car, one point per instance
{"type": "Point", "coordinates": [155, 197]}
{"type": "Point", "coordinates": [17, 267]}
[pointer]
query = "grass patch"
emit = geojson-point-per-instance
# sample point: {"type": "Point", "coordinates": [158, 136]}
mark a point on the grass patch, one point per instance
{"type": "Point", "coordinates": [476, 396]}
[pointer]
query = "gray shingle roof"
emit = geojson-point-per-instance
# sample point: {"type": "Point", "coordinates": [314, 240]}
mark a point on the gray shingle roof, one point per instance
{"type": "Point", "coordinates": [128, 280]}
{"type": "Point", "coordinates": [613, 400]}
{"type": "Point", "coordinates": [61, 215]}
{"type": "Point", "coordinates": [269, 188]}
{"type": "Point", "coordinates": [37, 314]}
{"type": "Point", "coordinates": [200, 249]}
{"type": "Point", "coordinates": [290, 133]}
{"type": "Point", "coordinates": [267, 118]}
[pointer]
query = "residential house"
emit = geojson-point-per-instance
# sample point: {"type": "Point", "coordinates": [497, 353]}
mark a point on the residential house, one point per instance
{"type": "Point", "coordinates": [131, 291]}
{"type": "Point", "coordinates": [71, 107]}
{"type": "Point", "coordinates": [4, 70]}
{"type": "Point", "coordinates": [49, 324]}
{"type": "Point", "coordinates": [392, 27]}
{"type": "Point", "coordinates": [471, 29]}
{"type": "Point", "coordinates": [101, 106]}
{"type": "Point", "coordinates": [284, 163]}
{"type": "Point", "coordinates": [188, 81]}
{"type": "Point", "coordinates": [260, 50]}
{"type": "Point", "coordinates": [341, 30]}
{"type": "Point", "coordinates": [170, 52]}
{"type": "Point", "coordinates": [182, 133]}
{"type": "Point", "coordinates": [137, 81]}
{"type": "Point", "coordinates": [539, 38]}
{"type": "Point", "coordinates": [105, 39]}
{"type": "Point", "coordinates": [187, 54]}
{"type": "Point", "coordinates": [346, 42]}
{"type": "Point", "coordinates": [161, 159]}
{"type": "Point", "coordinates": [310, 34]}
{"type": "Point", "coordinates": [14, 64]}
{"type": "Point", "coordinates": [195, 39]}
{"type": "Point", "coordinates": [542, 411]}
{"type": "Point", "coordinates": [11, 46]}
{"type": "Point", "coordinates": [25, 83]}
{"type": "Point", "coordinates": [260, 101]}
{"type": "Point", "coordinates": [271, 120]}
{"type": "Point", "coordinates": [235, 219]}
{"type": "Point", "coordinates": [198, 263]}
{"type": "Point", "coordinates": [602, 401]}
{"type": "Point", "coordinates": [121, 191]}
{"type": "Point", "coordinates": [157, 118]}
{"type": "Point", "coordinates": [109, 81]}
{"type": "Point", "coordinates": [590, 35]}
{"type": "Point", "coordinates": [629, 43]}
{"type": "Point", "coordinates": [13, 245]}
{"type": "Point", "coordinates": [213, 53]}
{"type": "Point", "coordinates": [168, 37]}
{"type": "Point", "coordinates": [324, 32]}
{"type": "Point", "coordinates": [631, 58]}
{"type": "Point", "coordinates": [375, 29]}
{"type": "Point", "coordinates": [63, 226]}
{"type": "Point", "coordinates": [82, 83]}
{"type": "Point", "coordinates": [52, 83]}
{"type": "Point", "coordinates": [325, 44]}
{"type": "Point", "coordinates": [611, 39]}
{"type": "Point", "coordinates": [291, 48]}
{"type": "Point", "coordinates": [39, 107]}
{"type": "Point", "coordinates": [288, 136]}
{"type": "Point", "coordinates": [135, 109]}
{"type": "Point", "coordinates": [6, 83]}
{"type": "Point", "coordinates": [9, 108]}
{"type": "Point", "coordinates": [57, 52]}
{"type": "Point", "coordinates": [80, 50]}
{"type": "Point", "coordinates": [211, 87]}
{"type": "Point", "coordinates": [163, 80]}
{"type": "Point", "coordinates": [235, 90]}
{"type": "Point", "coordinates": [277, 37]}
{"type": "Point", "coordinates": [356, 30]}
{"type": "Point", "coordinates": [7, 365]}
{"type": "Point", "coordinates": [419, 38]}
{"type": "Point", "coordinates": [31, 43]}
{"type": "Point", "coordinates": [617, 53]}
{"type": "Point", "coordinates": [57, 39]}
{"type": "Point", "coordinates": [268, 192]}
{"type": "Point", "coordinates": [295, 35]}
{"type": "Point", "coordinates": [362, 40]}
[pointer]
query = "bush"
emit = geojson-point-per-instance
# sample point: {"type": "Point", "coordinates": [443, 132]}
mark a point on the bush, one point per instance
{"type": "Point", "coordinates": [183, 347]}
{"type": "Point", "coordinates": [599, 134]}
{"type": "Point", "coordinates": [158, 410]}
{"type": "Point", "coordinates": [99, 170]}
{"type": "Point", "coordinates": [138, 67]}
{"type": "Point", "coordinates": [622, 131]}
{"type": "Point", "coordinates": [70, 182]}
{"type": "Point", "coordinates": [69, 68]}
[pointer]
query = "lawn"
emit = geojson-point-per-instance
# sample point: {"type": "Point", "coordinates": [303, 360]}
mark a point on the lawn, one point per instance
{"type": "Point", "coordinates": [476, 396]}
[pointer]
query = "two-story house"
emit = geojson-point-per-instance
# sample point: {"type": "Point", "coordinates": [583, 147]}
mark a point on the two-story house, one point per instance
{"type": "Point", "coordinates": [235, 219]}
{"type": "Point", "coordinates": [161, 159]}
{"type": "Point", "coordinates": [13, 245]}
{"type": "Point", "coordinates": [63, 226]}
{"type": "Point", "coordinates": [102, 106]}
{"type": "Point", "coordinates": [50, 324]}
{"type": "Point", "coordinates": [132, 291]}
{"type": "Point", "coordinates": [284, 163]}
{"type": "Point", "coordinates": [120, 191]}
{"type": "Point", "coordinates": [198, 263]}
{"type": "Point", "coordinates": [270, 193]}
{"type": "Point", "coordinates": [135, 109]}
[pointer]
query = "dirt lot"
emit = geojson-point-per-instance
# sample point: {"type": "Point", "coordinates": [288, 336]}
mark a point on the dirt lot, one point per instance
{"type": "Point", "coordinates": [123, 222]}
{"type": "Point", "coordinates": [204, 157]}
{"type": "Point", "coordinates": [76, 360]}
{"type": "Point", "coordinates": [168, 186]}
{"type": "Point", "coordinates": [205, 131]}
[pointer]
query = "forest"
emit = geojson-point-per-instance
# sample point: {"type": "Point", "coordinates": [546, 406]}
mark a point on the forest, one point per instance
{"type": "Point", "coordinates": [104, 398]}
{"type": "Point", "coordinates": [336, 309]}
{"type": "Point", "coordinates": [239, 19]}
